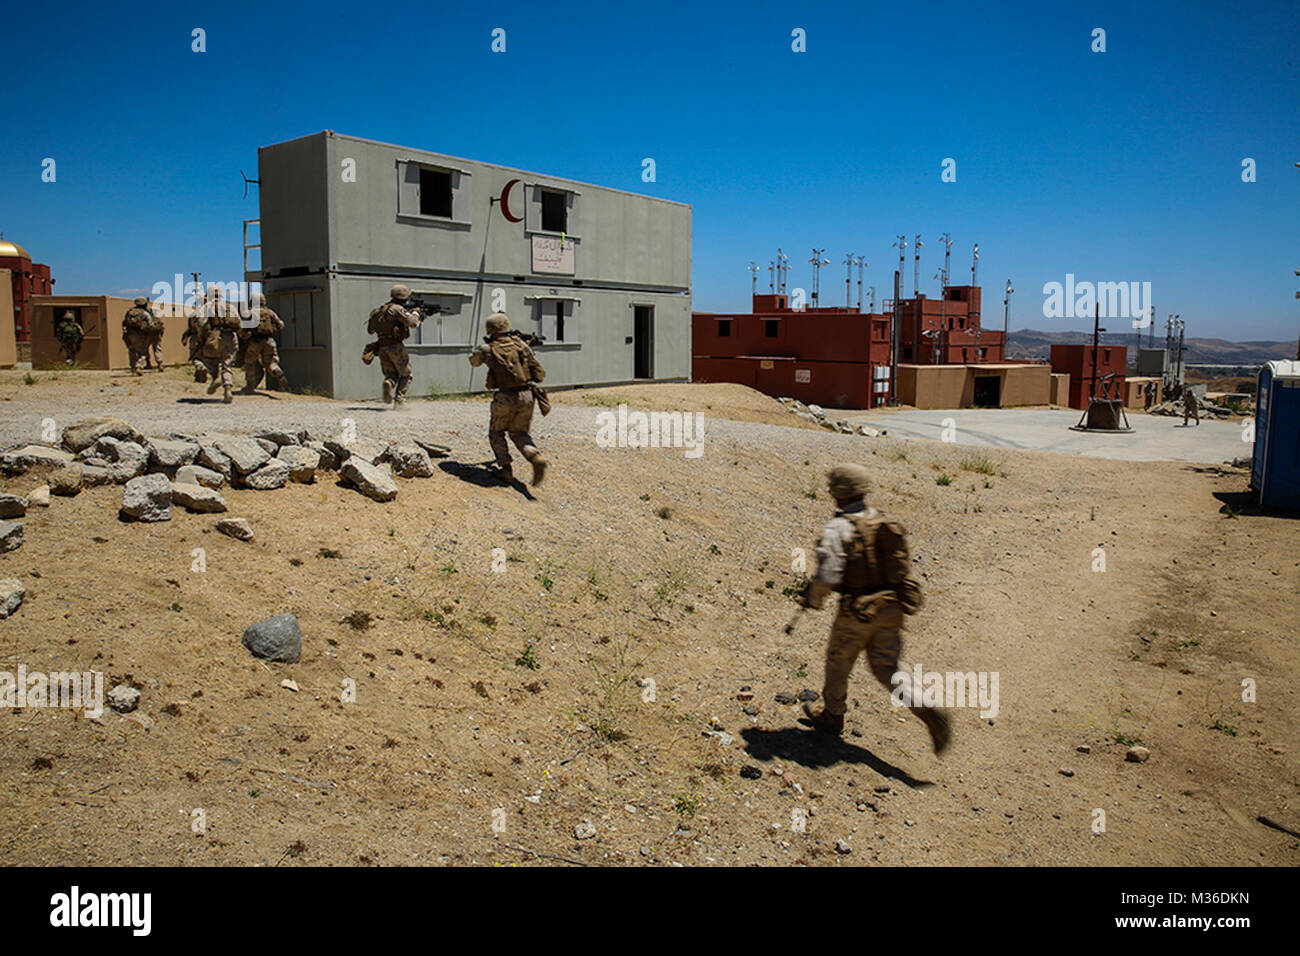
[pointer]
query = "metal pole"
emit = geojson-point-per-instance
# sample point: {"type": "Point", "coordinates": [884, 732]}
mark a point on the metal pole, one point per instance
{"type": "Point", "coordinates": [848, 280]}
{"type": "Point", "coordinates": [916, 275]}
{"type": "Point", "coordinates": [893, 338]}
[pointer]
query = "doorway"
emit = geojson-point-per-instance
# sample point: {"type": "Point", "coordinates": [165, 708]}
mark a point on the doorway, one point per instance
{"type": "Point", "coordinates": [988, 391]}
{"type": "Point", "coordinates": [643, 341]}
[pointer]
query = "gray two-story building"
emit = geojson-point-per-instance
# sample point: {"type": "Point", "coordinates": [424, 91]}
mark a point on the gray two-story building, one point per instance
{"type": "Point", "coordinates": [604, 275]}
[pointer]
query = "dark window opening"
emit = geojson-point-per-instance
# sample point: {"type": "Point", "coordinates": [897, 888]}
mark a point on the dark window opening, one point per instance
{"type": "Point", "coordinates": [559, 321]}
{"type": "Point", "coordinates": [769, 328]}
{"type": "Point", "coordinates": [554, 211]}
{"type": "Point", "coordinates": [435, 193]}
{"type": "Point", "coordinates": [724, 328]}
{"type": "Point", "coordinates": [907, 352]}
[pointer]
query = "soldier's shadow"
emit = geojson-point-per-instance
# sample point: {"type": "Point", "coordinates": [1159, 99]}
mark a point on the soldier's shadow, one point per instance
{"type": "Point", "coordinates": [817, 751]}
{"type": "Point", "coordinates": [482, 476]}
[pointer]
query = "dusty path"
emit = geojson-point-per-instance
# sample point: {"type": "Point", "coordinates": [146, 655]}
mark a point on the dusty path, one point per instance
{"type": "Point", "coordinates": [485, 696]}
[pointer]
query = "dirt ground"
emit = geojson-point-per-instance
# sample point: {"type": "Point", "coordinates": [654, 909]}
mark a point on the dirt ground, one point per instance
{"type": "Point", "coordinates": [505, 697]}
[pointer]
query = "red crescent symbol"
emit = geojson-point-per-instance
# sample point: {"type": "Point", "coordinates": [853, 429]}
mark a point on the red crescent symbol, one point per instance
{"type": "Point", "coordinates": [505, 202]}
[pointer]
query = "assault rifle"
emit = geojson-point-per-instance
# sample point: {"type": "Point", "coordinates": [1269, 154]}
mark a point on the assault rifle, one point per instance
{"type": "Point", "coordinates": [531, 339]}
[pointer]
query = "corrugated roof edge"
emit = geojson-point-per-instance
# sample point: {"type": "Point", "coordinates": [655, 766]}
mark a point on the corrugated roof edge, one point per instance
{"type": "Point", "coordinates": [467, 159]}
{"type": "Point", "coordinates": [1285, 368]}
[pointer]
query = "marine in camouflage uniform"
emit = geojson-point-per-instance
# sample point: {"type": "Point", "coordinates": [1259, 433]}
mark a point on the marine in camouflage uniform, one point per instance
{"type": "Point", "coordinates": [70, 335]}
{"type": "Point", "coordinates": [512, 370]}
{"type": "Point", "coordinates": [260, 352]}
{"type": "Point", "coordinates": [863, 556]}
{"type": "Point", "coordinates": [153, 354]}
{"type": "Point", "coordinates": [135, 333]}
{"type": "Point", "coordinates": [220, 342]}
{"type": "Point", "coordinates": [1191, 408]}
{"type": "Point", "coordinates": [391, 323]}
{"type": "Point", "coordinates": [195, 332]}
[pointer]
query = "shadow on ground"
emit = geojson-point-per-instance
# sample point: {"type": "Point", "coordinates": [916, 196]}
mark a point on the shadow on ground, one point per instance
{"type": "Point", "coordinates": [816, 751]}
{"type": "Point", "coordinates": [483, 477]}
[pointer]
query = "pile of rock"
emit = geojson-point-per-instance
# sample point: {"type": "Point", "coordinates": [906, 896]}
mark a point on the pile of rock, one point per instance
{"type": "Point", "coordinates": [190, 470]}
{"type": "Point", "coordinates": [817, 415]}
{"type": "Point", "coordinates": [1175, 408]}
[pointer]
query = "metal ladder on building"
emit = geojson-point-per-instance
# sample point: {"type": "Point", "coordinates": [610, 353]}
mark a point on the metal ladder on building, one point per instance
{"type": "Point", "coordinates": [256, 276]}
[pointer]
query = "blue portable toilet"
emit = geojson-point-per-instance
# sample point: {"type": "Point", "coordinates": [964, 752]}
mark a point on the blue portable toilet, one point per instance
{"type": "Point", "coordinates": [1275, 468]}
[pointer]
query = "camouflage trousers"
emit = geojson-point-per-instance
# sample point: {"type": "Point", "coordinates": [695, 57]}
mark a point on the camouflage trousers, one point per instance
{"type": "Point", "coordinates": [261, 356]}
{"type": "Point", "coordinates": [512, 414]}
{"type": "Point", "coordinates": [218, 357]}
{"type": "Point", "coordinates": [155, 354]}
{"type": "Point", "coordinates": [137, 350]}
{"type": "Point", "coordinates": [396, 366]}
{"type": "Point", "coordinates": [882, 640]}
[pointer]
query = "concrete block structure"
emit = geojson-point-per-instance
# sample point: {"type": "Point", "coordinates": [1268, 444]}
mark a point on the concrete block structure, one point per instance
{"type": "Point", "coordinates": [1086, 373]}
{"type": "Point", "coordinates": [101, 323]}
{"type": "Point", "coordinates": [947, 330]}
{"type": "Point", "coordinates": [603, 274]}
{"type": "Point", "coordinates": [1001, 385]}
{"type": "Point", "coordinates": [834, 357]}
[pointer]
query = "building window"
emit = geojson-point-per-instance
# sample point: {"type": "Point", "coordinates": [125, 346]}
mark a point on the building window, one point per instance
{"type": "Point", "coordinates": [907, 352]}
{"type": "Point", "coordinates": [769, 327]}
{"type": "Point", "coordinates": [724, 328]}
{"type": "Point", "coordinates": [554, 211]}
{"type": "Point", "coordinates": [559, 321]}
{"type": "Point", "coordinates": [435, 193]}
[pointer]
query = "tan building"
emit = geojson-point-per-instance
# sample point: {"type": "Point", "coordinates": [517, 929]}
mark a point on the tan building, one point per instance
{"type": "Point", "coordinates": [1134, 389]}
{"type": "Point", "coordinates": [8, 341]}
{"type": "Point", "coordinates": [993, 385]}
{"type": "Point", "coordinates": [101, 321]}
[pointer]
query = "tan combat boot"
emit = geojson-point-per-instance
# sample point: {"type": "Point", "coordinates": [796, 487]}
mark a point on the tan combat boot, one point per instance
{"type": "Point", "coordinates": [226, 395]}
{"type": "Point", "coordinates": [214, 384]}
{"type": "Point", "coordinates": [824, 722]}
{"type": "Point", "coordinates": [539, 469]}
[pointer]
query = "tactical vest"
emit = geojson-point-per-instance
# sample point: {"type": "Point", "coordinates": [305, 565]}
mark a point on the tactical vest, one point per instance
{"type": "Point", "coordinates": [864, 564]}
{"type": "Point", "coordinates": [507, 363]}
{"type": "Point", "coordinates": [266, 324]}
{"type": "Point", "coordinates": [137, 320]}
{"type": "Point", "coordinates": [225, 319]}
{"type": "Point", "coordinates": [388, 326]}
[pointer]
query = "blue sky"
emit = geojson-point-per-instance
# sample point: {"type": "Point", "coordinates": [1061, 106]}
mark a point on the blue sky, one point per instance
{"type": "Point", "coordinates": [1115, 166]}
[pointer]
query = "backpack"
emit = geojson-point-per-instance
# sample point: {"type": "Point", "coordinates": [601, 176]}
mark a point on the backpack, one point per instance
{"type": "Point", "coordinates": [508, 366]}
{"type": "Point", "coordinates": [881, 544]}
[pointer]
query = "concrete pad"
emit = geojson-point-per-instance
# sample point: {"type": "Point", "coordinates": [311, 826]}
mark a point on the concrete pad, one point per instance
{"type": "Point", "coordinates": [1154, 437]}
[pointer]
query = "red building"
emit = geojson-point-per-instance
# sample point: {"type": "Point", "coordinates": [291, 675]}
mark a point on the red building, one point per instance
{"type": "Point", "coordinates": [947, 331]}
{"type": "Point", "coordinates": [28, 279]}
{"type": "Point", "coordinates": [1085, 379]}
{"type": "Point", "coordinates": [834, 357]}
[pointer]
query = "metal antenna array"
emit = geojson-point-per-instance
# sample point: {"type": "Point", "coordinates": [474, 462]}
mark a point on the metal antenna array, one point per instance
{"type": "Point", "coordinates": [862, 265]}
{"type": "Point", "coordinates": [872, 308]}
{"type": "Point", "coordinates": [916, 274]}
{"type": "Point", "coordinates": [782, 270]}
{"type": "Point", "coordinates": [848, 279]}
{"type": "Point", "coordinates": [946, 239]}
{"type": "Point", "coordinates": [901, 246]}
{"type": "Point", "coordinates": [771, 276]}
{"type": "Point", "coordinates": [817, 263]}
{"type": "Point", "coordinates": [753, 267]}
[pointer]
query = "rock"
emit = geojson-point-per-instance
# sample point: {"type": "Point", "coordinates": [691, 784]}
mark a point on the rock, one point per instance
{"type": "Point", "coordinates": [288, 684]}
{"type": "Point", "coordinates": [808, 696]}
{"type": "Point", "coordinates": [275, 639]}
{"type": "Point", "coordinates": [93, 475]}
{"type": "Point", "coordinates": [12, 593]}
{"type": "Point", "coordinates": [842, 847]}
{"type": "Point", "coordinates": [274, 474]}
{"type": "Point", "coordinates": [750, 710]}
{"type": "Point", "coordinates": [301, 462]}
{"type": "Point", "coordinates": [197, 498]}
{"type": "Point", "coordinates": [123, 699]}
{"type": "Point", "coordinates": [410, 461]}
{"type": "Point", "coordinates": [268, 446]}
{"type": "Point", "coordinates": [18, 460]}
{"type": "Point", "coordinates": [141, 718]}
{"type": "Point", "coordinates": [1137, 755]}
{"type": "Point", "coordinates": [11, 536]}
{"type": "Point", "coordinates": [172, 454]}
{"type": "Point", "coordinates": [148, 498]}
{"type": "Point", "coordinates": [126, 459]}
{"type": "Point", "coordinates": [236, 528]}
{"type": "Point", "coordinates": [328, 460]}
{"type": "Point", "coordinates": [67, 481]}
{"type": "Point", "coordinates": [367, 449]}
{"type": "Point", "coordinates": [40, 496]}
{"type": "Point", "coordinates": [750, 772]}
{"type": "Point", "coordinates": [817, 410]}
{"type": "Point", "coordinates": [785, 697]}
{"type": "Point", "coordinates": [433, 451]}
{"type": "Point", "coordinates": [198, 475]}
{"type": "Point", "coordinates": [1066, 772]}
{"type": "Point", "coordinates": [81, 435]}
{"type": "Point", "coordinates": [245, 454]}
{"type": "Point", "coordinates": [12, 506]}
{"type": "Point", "coordinates": [1084, 749]}
{"type": "Point", "coordinates": [280, 438]}
{"type": "Point", "coordinates": [585, 830]}
{"type": "Point", "coordinates": [372, 481]}
{"type": "Point", "coordinates": [211, 457]}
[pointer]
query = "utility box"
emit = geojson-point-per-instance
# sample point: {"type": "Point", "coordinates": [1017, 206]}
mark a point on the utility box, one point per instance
{"type": "Point", "coordinates": [1275, 467]}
